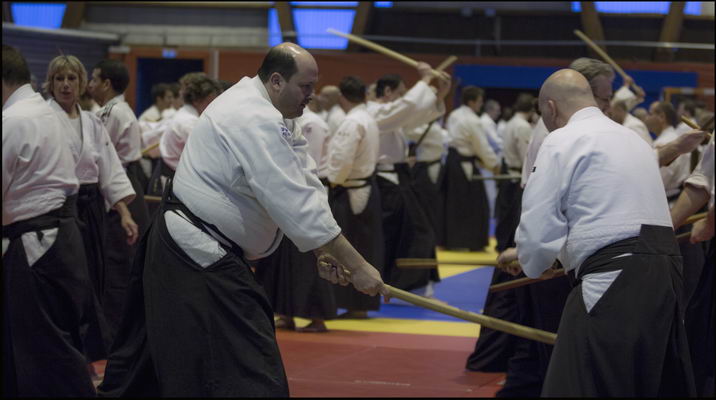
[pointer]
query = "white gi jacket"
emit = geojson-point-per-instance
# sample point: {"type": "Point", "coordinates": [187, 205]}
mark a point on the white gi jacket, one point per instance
{"type": "Point", "coordinates": [432, 147]}
{"type": "Point", "coordinates": [352, 155]}
{"type": "Point", "coordinates": [96, 161]}
{"type": "Point", "coordinates": [637, 126]}
{"type": "Point", "coordinates": [469, 138]}
{"type": "Point", "coordinates": [703, 174]}
{"type": "Point", "coordinates": [246, 170]}
{"type": "Point", "coordinates": [539, 133]}
{"type": "Point", "coordinates": [38, 171]}
{"type": "Point", "coordinates": [123, 129]}
{"type": "Point", "coordinates": [674, 174]}
{"type": "Point", "coordinates": [151, 114]}
{"type": "Point", "coordinates": [178, 129]}
{"type": "Point", "coordinates": [316, 132]}
{"type": "Point", "coordinates": [418, 106]}
{"type": "Point", "coordinates": [594, 183]}
{"type": "Point", "coordinates": [516, 141]}
{"type": "Point", "coordinates": [490, 127]}
{"type": "Point", "coordinates": [625, 94]}
{"type": "Point", "coordinates": [334, 118]}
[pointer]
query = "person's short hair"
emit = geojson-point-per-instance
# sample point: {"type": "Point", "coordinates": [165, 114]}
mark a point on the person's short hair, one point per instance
{"type": "Point", "coordinates": [175, 87]}
{"type": "Point", "coordinates": [591, 68]}
{"type": "Point", "coordinates": [277, 60]}
{"type": "Point", "coordinates": [525, 103]}
{"type": "Point", "coordinates": [353, 89]}
{"type": "Point", "coordinates": [116, 72]}
{"type": "Point", "coordinates": [198, 86]}
{"type": "Point", "coordinates": [669, 112]}
{"type": "Point", "coordinates": [491, 104]}
{"type": "Point", "coordinates": [159, 90]}
{"type": "Point", "coordinates": [61, 63]}
{"type": "Point", "coordinates": [391, 81]}
{"type": "Point", "coordinates": [507, 113]}
{"type": "Point", "coordinates": [689, 106]}
{"type": "Point", "coordinates": [15, 71]}
{"type": "Point", "coordinates": [471, 93]}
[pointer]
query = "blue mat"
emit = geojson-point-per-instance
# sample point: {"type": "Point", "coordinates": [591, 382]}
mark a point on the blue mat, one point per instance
{"type": "Point", "coordinates": [466, 291]}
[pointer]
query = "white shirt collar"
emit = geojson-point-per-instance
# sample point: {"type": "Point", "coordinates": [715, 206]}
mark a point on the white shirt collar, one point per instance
{"type": "Point", "coordinates": [360, 106]}
{"type": "Point", "coordinates": [261, 88]}
{"type": "Point", "coordinates": [23, 92]}
{"type": "Point", "coordinates": [115, 100]}
{"type": "Point", "coordinates": [584, 113]}
{"type": "Point", "coordinates": [190, 109]}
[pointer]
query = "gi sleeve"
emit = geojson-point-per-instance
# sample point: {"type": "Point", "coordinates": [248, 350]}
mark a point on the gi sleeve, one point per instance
{"type": "Point", "coordinates": [703, 176]}
{"type": "Point", "coordinates": [523, 134]}
{"type": "Point", "coordinates": [403, 111]}
{"type": "Point", "coordinates": [10, 153]}
{"type": "Point", "coordinates": [283, 180]}
{"type": "Point", "coordinates": [479, 143]}
{"type": "Point", "coordinates": [113, 181]}
{"type": "Point", "coordinates": [543, 228]}
{"type": "Point", "coordinates": [342, 151]}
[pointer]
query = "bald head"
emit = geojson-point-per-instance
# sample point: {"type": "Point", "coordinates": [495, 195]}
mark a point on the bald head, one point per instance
{"type": "Point", "coordinates": [329, 96]}
{"type": "Point", "coordinates": [289, 74]}
{"type": "Point", "coordinates": [564, 93]}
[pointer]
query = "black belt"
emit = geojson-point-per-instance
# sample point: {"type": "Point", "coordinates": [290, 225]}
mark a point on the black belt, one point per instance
{"type": "Point", "coordinates": [366, 182]}
{"type": "Point", "coordinates": [88, 193]}
{"type": "Point", "coordinates": [603, 259]}
{"type": "Point", "coordinates": [428, 163]}
{"type": "Point", "coordinates": [170, 203]}
{"type": "Point", "coordinates": [45, 221]}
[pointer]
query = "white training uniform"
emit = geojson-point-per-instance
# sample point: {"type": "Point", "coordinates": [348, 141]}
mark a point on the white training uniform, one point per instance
{"type": "Point", "coordinates": [469, 139]}
{"type": "Point", "coordinates": [494, 138]}
{"type": "Point", "coordinates": [417, 106]}
{"type": "Point", "coordinates": [38, 171]}
{"type": "Point", "coordinates": [516, 141]}
{"type": "Point", "coordinates": [682, 128]}
{"type": "Point", "coordinates": [316, 132]}
{"type": "Point", "coordinates": [501, 128]}
{"type": "Point", "coordinates": [432, 147]}
{"type": "Point", "coordinates": [627, 96]}
{"type": "Point", "coordinates": [703, 174]}
{"type": "Point", "coordinates": [168, 112]}
{"type": "Point", "coordinates": [539, 133]}
{"type": "Point", "coordinates": [639, 127]}
{"type": "Point", "coordinates": [176, 133]}
{"type": "Point", "coordinates": [151, 114]}
{"type": "Point", "coordinates": [352, 155]}
{"type": "Point", "coordinates": [334, 118]}
{"type": "Point", "coordinates": [594, 183]}
{"type": "Point", "coordinates": [96, 161]}
{"type": "Point", "coordinates": [246, 170]}
{"type": "Point", "coordinates": [674, 174]}
{"type": "Point", "coordinates": [123, 129]}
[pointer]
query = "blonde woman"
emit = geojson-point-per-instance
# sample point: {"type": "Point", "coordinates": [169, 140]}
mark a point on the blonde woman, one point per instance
{"type": "Point", "coordinates": [103, 182]}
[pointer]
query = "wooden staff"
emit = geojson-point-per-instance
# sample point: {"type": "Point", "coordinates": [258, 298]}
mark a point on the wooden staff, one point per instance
{"type": "Point", "coordinates": [523, 281]}
{"type": "Point", "coordinates": [152, 199]}
{"type": "Point", "coordinates": [425, 263]}
{"type": "Point", "coordinates": [382, 50]}
{"type": "Point", "coordinates": [484, 320]}
{"type": "Point", "coordinates": [602, 53]}
{"type": "Point", "coordinates": [150, 148]}
{"type": "Point", "coordinates": [496, 177]}
{"type": "Point", "coordinates": [448, 62]}
{"type": "Point", "coordinates": [693, 125]}
{"type": "Point", "coordinates": [695, 218]}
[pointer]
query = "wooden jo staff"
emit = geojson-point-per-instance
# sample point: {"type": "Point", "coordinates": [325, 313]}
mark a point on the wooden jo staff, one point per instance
{"type": "Point", "coordinates": [150, 148]}
{"type": "Point", "coordinates": [382, 50]}
{"type": "Point", "coordinates": [484, 320]}
{"type": "Point", "coordinates": [603, 54]}
{"type": "Point", "coordinates": [693, 125]}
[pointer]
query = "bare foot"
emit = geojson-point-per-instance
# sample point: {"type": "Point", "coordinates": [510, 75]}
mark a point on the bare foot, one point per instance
{"type": "Point", "coordinates": [285, 323]}
{"type": "Point", "coordinates": [316, 326]}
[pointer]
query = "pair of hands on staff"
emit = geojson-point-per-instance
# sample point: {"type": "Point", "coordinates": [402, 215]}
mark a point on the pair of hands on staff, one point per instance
{"type": "Point", "coordinates": [506, 262]}
{"type": "Point", "coordinates": [426, 75]}
{"type": "Point", "coordinates": [703, 229]}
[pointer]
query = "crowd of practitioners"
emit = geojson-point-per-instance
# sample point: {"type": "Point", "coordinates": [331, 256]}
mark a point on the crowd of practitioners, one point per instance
{"type": "Point", "coordinates": [396, 173]}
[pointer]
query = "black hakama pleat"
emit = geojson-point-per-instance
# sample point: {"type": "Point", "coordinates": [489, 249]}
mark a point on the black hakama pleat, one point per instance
{"type": "Point", "coordinates": [46, 309]}
{"type": "Point", "coordinates": [467, 211]}
{"type": "Point", "coordinates": [632, 343]}
{"type": "Point", "coordinates": [428, 195]}
{"type": "Point", "coordinates": [161, 172]}
{"type": "Point", "coordinates": [364, 232]}
{"type": "Point", "coordinates": [508, 206]}
{"type": "Point", "coordinates": [91, 214]}
{"type": "Point", "coordinates": [119, 253]}
{"type": "Point", "coordinates": [209, 331]}
{"type": "Point", "coordinates": [407, 232]}
{"type": "Point", "coordinates": [293, 287]}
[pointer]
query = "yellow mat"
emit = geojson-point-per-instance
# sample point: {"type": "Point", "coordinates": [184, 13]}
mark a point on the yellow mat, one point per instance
{"type": "Point", "coordinates": [393, 325]}
{"type": "Point", "coordinates": [446, 271]}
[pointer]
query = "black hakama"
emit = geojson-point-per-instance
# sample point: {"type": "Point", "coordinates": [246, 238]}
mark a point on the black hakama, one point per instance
{"type": "Point", "coordinates": [364, 232]}
{"type": "Point", "coordinates": [428, 195]}
{"type": "Point", "coordinates": [119, 253]}
{"type": "Point", "coordinates": [46, 308]}
{"type": "Point", "coordinates": [293, 287]}
{"type": "Point", "coordinates": [161, 172]}
{"type": "Point", "coordinates": [494, 348]}
{"type": "Point", "coordinates": [467, 211]}
{"type": "Point", "coordinates": [700, 324]}
{"type": "Point", "coordinates": [632, 343]}
{"type": "Point", "coordinates": [508, 207]}
{"type": "Point", "coordinates": [91, 215]}
{"type": "Point", "coordinates": [209, 331]}
{"type": "Point", "coordinates": [406, 232]}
